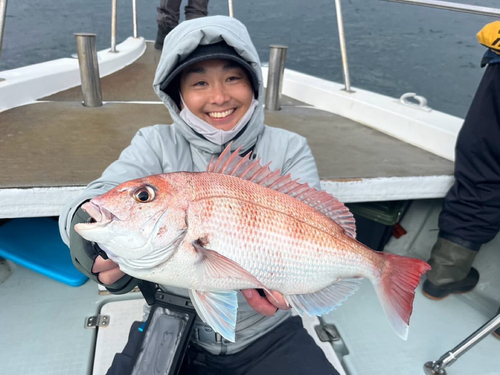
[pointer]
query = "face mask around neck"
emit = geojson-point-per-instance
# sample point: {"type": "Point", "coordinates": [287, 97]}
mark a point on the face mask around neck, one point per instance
{"type": "Point", "coordinates": [215, 135]}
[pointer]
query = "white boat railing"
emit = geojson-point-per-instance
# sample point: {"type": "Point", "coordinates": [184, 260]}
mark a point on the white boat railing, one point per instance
{"type": "Point", "coordinates": [114, 22]}
{"type": "Point", "coordinates": [446, 5]}
{"type": "Point", "coordinates": [3, 11]}
{"type": "Point", "coordinates": [343, 49]}
{"type": "Point", "coordinates": [134, 18]}
{"type": "Point", "coordinates": [113, 26]}
{"type": "Point", "coordinates": [3, 14]}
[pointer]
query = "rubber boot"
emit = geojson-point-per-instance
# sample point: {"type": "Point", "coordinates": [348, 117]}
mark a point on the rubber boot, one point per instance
{"type": "Point", "coordinates": [160, 36]}
{"type": "Point", "coordinates": [451, 271]}
{"type": "Point", "coordinates": [496, 332]}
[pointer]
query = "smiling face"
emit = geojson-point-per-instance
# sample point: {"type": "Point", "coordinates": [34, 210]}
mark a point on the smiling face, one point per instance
{"type": "Point", "coordinates": [217, 91]}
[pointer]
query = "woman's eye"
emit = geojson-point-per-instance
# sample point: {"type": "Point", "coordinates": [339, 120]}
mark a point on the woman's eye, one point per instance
{"type": "Point", "coordinates": [200, 83]}
{"type": "Point", "coordinates": [144, 194]}
{"type": "Point", "coordinates": [233, 78]}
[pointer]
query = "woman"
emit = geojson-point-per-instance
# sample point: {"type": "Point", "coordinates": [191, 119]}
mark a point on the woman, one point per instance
{"type": "Point", "coordinates": [209, 77]}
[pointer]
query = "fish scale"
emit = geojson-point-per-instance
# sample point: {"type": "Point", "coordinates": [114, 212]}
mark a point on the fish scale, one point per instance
{"type": "Point", "coordinates": [260, 229]}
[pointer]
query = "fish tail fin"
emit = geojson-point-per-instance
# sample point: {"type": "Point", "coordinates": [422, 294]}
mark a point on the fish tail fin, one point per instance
{"type": "Point", "coordinates": [396, 289]}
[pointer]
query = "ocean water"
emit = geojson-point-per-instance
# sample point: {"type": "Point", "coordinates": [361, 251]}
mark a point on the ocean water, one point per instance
{"type": "Point", "coordinates": [392, 48]}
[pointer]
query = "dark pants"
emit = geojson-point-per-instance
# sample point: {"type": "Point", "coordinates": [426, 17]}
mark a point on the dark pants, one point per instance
{"type": "Point", "coordinates": [288, 349]}
{"type": "Point", "coordinates": [169, 11]}
{"type": "Point", "coordinates": [471, 211]}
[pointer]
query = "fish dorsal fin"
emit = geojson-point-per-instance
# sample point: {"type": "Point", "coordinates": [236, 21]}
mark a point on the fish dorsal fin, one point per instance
{"type": "Point", "coordinates": [232, 164]}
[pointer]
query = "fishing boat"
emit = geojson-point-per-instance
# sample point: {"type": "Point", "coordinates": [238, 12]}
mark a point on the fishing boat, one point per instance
{"type": "Point", "coordinates": [389, 159]}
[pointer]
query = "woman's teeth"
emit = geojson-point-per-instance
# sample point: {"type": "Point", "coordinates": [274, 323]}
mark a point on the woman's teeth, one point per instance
{"type": "Point", "coordinates": [221, 114]}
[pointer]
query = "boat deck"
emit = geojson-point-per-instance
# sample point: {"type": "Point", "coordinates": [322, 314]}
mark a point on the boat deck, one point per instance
{"type": "Point", "coordinates": [59, 143]}
{"type": "Point", "coordinates": [38, 311]}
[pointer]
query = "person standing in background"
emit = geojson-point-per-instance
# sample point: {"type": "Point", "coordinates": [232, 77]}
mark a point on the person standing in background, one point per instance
{"type": "Point", "coordinates": [169, 12]}
{"type": "Point", "coordinates": [471, 210]}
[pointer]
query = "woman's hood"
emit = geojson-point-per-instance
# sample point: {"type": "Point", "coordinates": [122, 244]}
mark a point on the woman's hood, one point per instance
{"type": "Point", "coordinates": [183, 40]}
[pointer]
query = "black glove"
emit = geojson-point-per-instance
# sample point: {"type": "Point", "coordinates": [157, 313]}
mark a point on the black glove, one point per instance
{"type": "Point", "coordinates": [84, 253]}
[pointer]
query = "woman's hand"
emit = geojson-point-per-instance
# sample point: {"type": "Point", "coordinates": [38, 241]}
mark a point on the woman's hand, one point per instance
{"type": "Point", "coordinates": [265, 305]}
{"type": "Point", "coordinates": [107, 271]}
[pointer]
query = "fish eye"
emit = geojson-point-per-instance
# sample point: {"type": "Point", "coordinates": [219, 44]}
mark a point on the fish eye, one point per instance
{"type": "Point", "coordinates": [144, 194]}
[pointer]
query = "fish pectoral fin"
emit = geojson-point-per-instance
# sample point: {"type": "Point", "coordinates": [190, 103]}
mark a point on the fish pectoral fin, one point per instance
{"type": "Point", "coordinates": [325, 300]}
{"type": "Point", "coordinates": [218, 310]}
{"type": "Point", "coordinates": [214, 265]}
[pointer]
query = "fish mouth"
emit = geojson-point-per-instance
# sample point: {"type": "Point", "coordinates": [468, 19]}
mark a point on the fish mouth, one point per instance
{"type": "Point", "coordinates": [99, 216]}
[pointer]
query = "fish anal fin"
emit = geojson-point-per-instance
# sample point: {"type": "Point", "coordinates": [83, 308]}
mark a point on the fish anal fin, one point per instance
{"type": "Point", "coordinates": [325, 300]}
{"type": "Point", "coordinates": [234, 165]}
{"type": "Point", "coordinates": [218, 310]}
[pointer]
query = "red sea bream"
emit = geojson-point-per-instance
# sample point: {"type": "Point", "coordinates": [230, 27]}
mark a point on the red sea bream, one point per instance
{"type": "Point", "coordinates": [238, 226]}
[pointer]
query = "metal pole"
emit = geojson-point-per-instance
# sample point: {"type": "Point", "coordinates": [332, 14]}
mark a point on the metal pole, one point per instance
{"type": "Point", "coordinates": [447, 5]}
{"type": "Point", "coordinates": [89, 69]}
{"type": "Point", "coordinates": [343, 50]}
{"type": "Point", "coordinates": [134, 16]}
{"type": "Point", "coordinates": [277, 58]}
{"type": "Point", "coordinates": [438, 367]}
{"type": "Point", "coordinates": [3, 14]}
{"type": "Point", "coordinates": [113, 26]}
{"type": "Point", "coordinates": [231, 12]}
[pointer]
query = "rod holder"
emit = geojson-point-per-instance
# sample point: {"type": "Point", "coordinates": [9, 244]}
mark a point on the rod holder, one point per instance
{"type": "Point", "coordinates": [277, 58]}
{"type": "Point", "coordinates": [89, 69]}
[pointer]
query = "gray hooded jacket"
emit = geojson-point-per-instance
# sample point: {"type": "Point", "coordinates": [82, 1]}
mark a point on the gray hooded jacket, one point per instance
{"type": "Point", "coordinates": [171, 148]}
